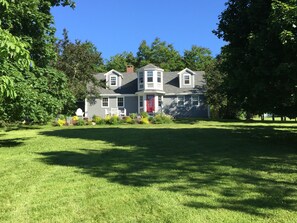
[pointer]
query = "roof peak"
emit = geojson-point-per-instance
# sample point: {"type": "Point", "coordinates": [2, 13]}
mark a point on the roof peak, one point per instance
{"type": "Point", "coordinates": [150, 66]}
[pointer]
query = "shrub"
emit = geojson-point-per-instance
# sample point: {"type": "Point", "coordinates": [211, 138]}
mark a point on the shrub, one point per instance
{"type": "Point", "coordinates": [162, 119]}
{"type": "Point", "coordinates": [129, 120]}
{"type": "Point", "coordinates": [75, 118]}
{"type": "Point", "coordinates": [61, 122]}
{"type": "Point", "coordinates": [98, 120]}
{"type": "Point", "coordinates": [144, 114]}
{"type": "Point", "coordinates": [133, 115]}
{"type": "Point", "coordinates": [114, 120]}
{"type": "Point", "coordinates": [80, 122]}
{"type": "Point", "coordinates": [144, 121]}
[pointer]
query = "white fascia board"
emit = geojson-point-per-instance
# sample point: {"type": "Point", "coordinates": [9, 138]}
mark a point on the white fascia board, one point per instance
{"type": "Point", "coordinates": [186, 70]}
{"type": "Point", "coordinates": [117, 95]}
{"type": "Point", "coordinates": [113, 71]}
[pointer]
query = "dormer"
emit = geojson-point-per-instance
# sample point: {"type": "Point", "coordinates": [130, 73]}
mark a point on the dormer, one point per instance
{"type": "Point", "coordinates": [150, 77]}
{"type": "Point", "coordinates": [186, 78]}
{"type": "Point", "coordinates": [113, 79]}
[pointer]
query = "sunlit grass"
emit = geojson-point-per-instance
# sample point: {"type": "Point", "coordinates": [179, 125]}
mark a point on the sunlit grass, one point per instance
{"type": "Point", "coordinates": [198, 171]}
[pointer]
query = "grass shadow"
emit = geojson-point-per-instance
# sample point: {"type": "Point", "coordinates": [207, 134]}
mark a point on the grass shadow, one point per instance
{"type": "Point", "coordinates": [232, 163]}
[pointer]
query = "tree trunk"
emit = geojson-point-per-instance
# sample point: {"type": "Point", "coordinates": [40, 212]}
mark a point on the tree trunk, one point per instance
{"type": "Point", "coordinates": [262, 117]}
{"type": "Point", "coordinates": [273, 118]}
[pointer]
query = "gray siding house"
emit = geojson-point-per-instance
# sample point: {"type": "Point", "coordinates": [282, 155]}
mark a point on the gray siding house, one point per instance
{"type": "Point", "coordinates": [150, 89]}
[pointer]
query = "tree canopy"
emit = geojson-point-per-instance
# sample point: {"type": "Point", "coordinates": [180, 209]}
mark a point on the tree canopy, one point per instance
{"type": "Point", "coordinates": [29, 88]}
{"type": "Point", "coordinates": [260, 57]}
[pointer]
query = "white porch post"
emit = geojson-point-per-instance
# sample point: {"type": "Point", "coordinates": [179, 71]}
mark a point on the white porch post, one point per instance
{"type": "Point", "coordinates": [86, 108]}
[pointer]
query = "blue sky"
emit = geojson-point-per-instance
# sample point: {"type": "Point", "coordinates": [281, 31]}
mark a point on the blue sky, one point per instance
{"type": "Point", "coordinates": [115, 26]}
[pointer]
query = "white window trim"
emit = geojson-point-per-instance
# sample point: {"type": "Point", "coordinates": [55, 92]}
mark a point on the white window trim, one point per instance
{"type": "Point", "coordinates": [160, 97]}
{"type": "Point", "coordinates": [107, 102]}
{"type": "Point", "coordinates": [177, 100]}
{"type": "Point", "coordinates": [197, 100]}
{"type": "Point", "coordinates": [184, 79]}
{"type": "Point", "coordinates": [123, 102]}
{"type": "Point", "coordinates": [116, 80]}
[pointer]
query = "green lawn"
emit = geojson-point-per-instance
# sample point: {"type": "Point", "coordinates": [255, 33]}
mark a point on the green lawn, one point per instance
{"type": "Point", "coordinates": [197, 172]}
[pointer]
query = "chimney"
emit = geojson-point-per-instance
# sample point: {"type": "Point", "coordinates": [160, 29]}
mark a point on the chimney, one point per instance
{"type": "Point", "coordinates": [130, 69]}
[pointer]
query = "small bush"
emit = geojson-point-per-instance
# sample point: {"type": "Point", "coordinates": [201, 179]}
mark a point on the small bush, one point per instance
{"type": "Point", "coordinates": [112, 120]}
{"type": "Point", "coordinates": [144, 121]}
{"type": "Point", "coordinates": [129, 120]}
{"type": "Point", "coordinates": [61, 122]}
{"type": "Point", "coordinates": [133, 116]}
{"type": "Point", "coordinates": [80, 122]}
{"type": "Point", "coordinates": [144, 114]}
{"type": "Point", "coordinates": [98, 120]}
{"type": "Point", "coordinates": [162, 119]}
{"type": "Point", "coordinates": [75, 118]}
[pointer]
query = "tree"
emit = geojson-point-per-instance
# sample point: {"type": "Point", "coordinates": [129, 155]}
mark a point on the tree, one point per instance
{"type": "Point", "coordinates": [26, 35]}
{"type": "Point", "coordinates": [198, 58]}
{"type": "Point", "coordinates": [119, 62]}
{"type": "Point", "coordinates": [260, 57]}
{"type": "Point", "coordinates": [79, 61]}
{"type": "Point", "coordinates": [161, 54]}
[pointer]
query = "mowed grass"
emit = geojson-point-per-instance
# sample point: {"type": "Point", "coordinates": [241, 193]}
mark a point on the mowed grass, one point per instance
{"type": "Point", "coordinates": [200, 171]}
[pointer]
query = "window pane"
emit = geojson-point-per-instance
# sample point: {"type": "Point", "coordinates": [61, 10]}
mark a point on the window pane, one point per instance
{"type": "Point", "coordinates": [150, 76]}
{"type": "Point", "coordinates": [113, 81]}
{"type": "Point", "coordinates": [159, 77]}
{"type": "Point", "coordinates": [159, 101]}
{"type": "Point", "coordinates": [120, 102]}
{"type": "Point", "coordinates": [180, 101]}
{"type": "Point", "coordinates": [195, 100]}
{"type": "Point", "coordinates": [186, 79]}
{"type": "Point", "coordinates": [141, 101]}
{"type": "Point", "coordinates": [104, 102]}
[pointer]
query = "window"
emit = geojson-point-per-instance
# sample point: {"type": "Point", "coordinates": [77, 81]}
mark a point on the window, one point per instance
{"type": "Point", "coordinates": [141, 80]}
{"type": "Point", "coordinates": [180, 101]}
{"type": "Point", "coordinates": [150, 76]}
{"type": "Point", "coordinates": [113, 81]}
{"type": "Point", "coordinates": [159, 77]}
{"type": "Point", "coordinates": [186, 79]}
{"type": "Point", "coordinates": [105, 102]}
{"type": "Point", "coordinates": [160, 102]}
{"type": "Point", "coordinates": [195, 100]}
{"type": "Point", "coordinates": [120, 102]}
{"type": "Point", "coordinates": [140, 101]}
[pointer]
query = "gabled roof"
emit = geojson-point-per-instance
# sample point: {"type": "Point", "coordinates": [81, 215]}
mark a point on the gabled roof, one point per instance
{"type": "Point", "coordinates": [170, 80]}
{"type": "Point", "coordinates": [113, 71]}
{"type": "Point", "coordinates": [150, 67]}
{"type": "Point", "coordinates": [186, 70]}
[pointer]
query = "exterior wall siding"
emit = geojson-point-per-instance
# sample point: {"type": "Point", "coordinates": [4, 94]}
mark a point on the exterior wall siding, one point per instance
{"type": "Point", "coordinates": [95, 106]}
{"type": "Point", "coordinates": [170, 107]}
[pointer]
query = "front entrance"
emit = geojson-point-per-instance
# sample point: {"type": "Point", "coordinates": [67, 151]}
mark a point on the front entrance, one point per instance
{"type": "Point", "coordinates": [150, 103]}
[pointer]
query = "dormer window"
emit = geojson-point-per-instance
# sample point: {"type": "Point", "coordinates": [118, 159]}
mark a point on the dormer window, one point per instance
{"type": "Point", "coordinates": [187, 79]}
{"type": "Point", "coordinates": [150, 76]}
{"type": "Point", "coordinates": [113, 80]}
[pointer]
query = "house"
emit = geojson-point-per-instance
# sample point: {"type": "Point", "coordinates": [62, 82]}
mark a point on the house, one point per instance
{"type": "Point", "coordinates": [152, 90]}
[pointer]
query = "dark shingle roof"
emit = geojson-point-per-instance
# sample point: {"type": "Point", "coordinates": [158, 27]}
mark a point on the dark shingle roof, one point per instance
{"type": "Point", "coordinates": [170, 80]}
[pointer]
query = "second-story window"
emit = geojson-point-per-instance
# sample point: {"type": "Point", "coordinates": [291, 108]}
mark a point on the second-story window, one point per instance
{"type": "Point", "coordinates": [150, 76]}
{"type": "Point", "coordinates": [141, 80]}
{"type": "Point", "coordinates": [159, 77]}
{"type": "Point", "coordinates": [113, 81]}
{"type": "Point", "coordinates": [186, 79]}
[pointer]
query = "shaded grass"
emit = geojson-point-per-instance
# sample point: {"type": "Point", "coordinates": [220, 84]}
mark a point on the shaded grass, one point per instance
{"type": "Point", "coordinates": [197, 172]}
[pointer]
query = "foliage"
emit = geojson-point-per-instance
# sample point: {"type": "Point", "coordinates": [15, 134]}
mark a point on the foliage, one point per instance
{"type": "Point", "coordinates": [129, 120]}
{"type": "Point", "coordinates": [61, 122]}
{"type": "Point", "coordinates": [133, 115]}
{"type": "Point", "coordinates": [98, 120]}
{"type": "Point", "coordinates": [120, 61]}
{"type": "Point", "coordinates": [162, 119]}
{"type": "Point", "coordinates": [261, 54]}
{"type": "Point", "coordinates": [144, 114]}
{"type": "Point", "coordinates": [161, 54]}
{"type": "Point", "coordinates": [80, 122]}
{"type": "Point", "coordinates": [144, 120]}
{"type": "Point", "coordinates": [79, 61]}
{"type": "Point", "coordinates": [198, 58]}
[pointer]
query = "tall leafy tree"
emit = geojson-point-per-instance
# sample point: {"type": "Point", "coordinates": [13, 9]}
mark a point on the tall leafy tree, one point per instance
{"type": "Point", "coordinates": [120, 61]}
{"type": "Point", "coordinates": [260, 57]}
{"type": "Point", "coordinates": [161, 54]}
{"type": "Point", "coordinates": [79, 61]}
{"type": "Point", "coordinates": [26, 35]}
{"type": "Point", "coordinates": [197, 58]}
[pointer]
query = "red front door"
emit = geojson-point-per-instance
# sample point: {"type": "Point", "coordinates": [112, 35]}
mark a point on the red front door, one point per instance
{"type": "Point", "coordinates": [150, 103]}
